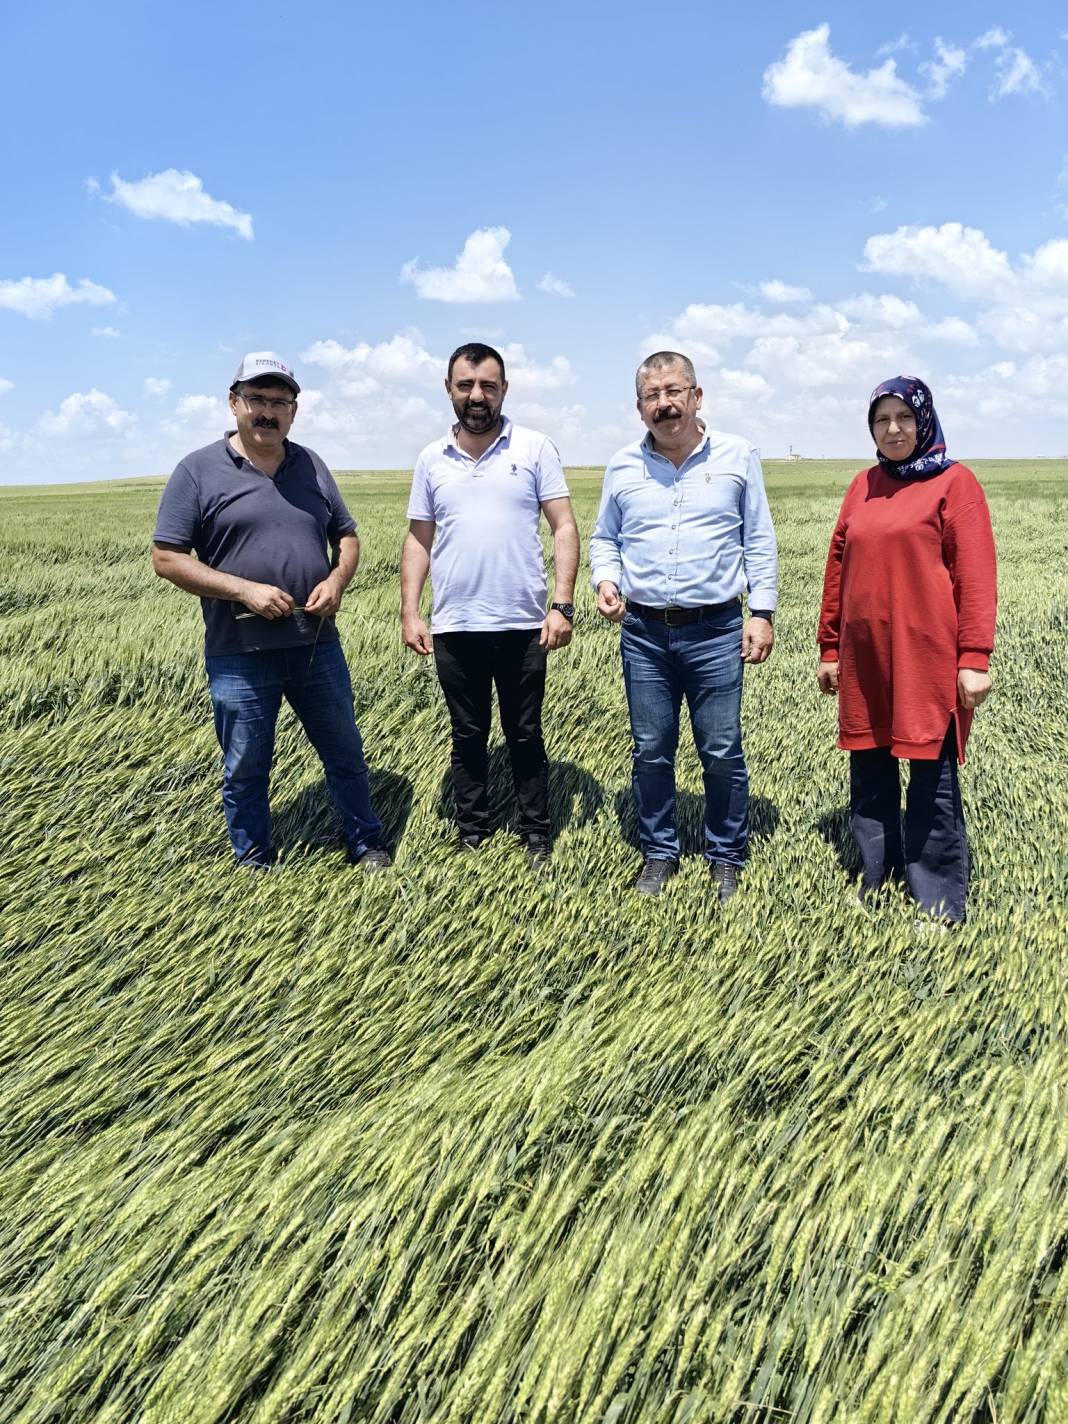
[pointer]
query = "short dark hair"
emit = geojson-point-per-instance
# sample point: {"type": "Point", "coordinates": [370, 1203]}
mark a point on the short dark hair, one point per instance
{"type": "Point", "coordinates": [476, 352]}
{"type": "Point", "coordinates": [658, 360]}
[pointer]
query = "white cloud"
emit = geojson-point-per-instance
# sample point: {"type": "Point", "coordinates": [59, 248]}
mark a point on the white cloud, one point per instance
{"type": "Point", "coordinates": [739, 385]}
{"type": "Point", "coordinates": [87, 413]}
{"type": "Point", "coordinates": [526, 375]}
{"type": "Point", "coordinates": [556, 286]}
{"type": "Point", "coordinates": [776, 291]}
{"type": "Point", "coordinates": [810, 76]}
{"type": "Point", "coordinates": [886, 312]}
{"type": "Point", "coordinates": [379, 403]}
{"type": "Point", "coordinates": [953, 330]}
{"type": "Point", "coordinates": [195, 420]}
{"type": "Point", "coordinates": [951, 63]}
{"type": "Point", "coordinates": [176, 197]}
{"type": "Point", "coordinates": [157, 385]}
{"type": "Point", "coordinates": [566, 422]}
{"type": "Point", "coordinates": [1017, 73]}
{"type": "Point", "coordinates": [960, 257]}
{"type": "Point", "coordinates": [896, 46]}
{"type": "Point", "coordinates": [995, 38]}
{"type": "Point", "coordinates": [108, 331]}
{"type": "Point", "coordinates": [479, 274]}
{"type": "Point", "coordinates": [203, 410]}
{"type": "Point", "coordinates": [363, 369]}
{"type": "Point", "coordinates": [39, 297]}
{"type": "Point", "coordinates": [6, 385]}
{"type": "Point", "coordinates": [1048, 266]}
{"type": "Point", "coordinates": [712, 323]}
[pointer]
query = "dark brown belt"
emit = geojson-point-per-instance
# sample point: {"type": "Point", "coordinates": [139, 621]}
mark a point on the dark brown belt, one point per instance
{"type": "Point", "coordinates": [678, 617]}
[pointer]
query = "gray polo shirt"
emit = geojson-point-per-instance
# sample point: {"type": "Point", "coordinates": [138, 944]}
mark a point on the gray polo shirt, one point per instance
{"type": "Point", "coordinates": [275, 531]}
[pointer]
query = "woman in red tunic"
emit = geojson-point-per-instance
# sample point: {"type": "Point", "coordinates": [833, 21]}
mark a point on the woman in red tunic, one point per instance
{"type": "Point", "coordinates": [906, 632]}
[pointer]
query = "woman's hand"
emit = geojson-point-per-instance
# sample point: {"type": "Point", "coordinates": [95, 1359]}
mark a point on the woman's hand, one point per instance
{"type": "Point", "coordinates": [827, 678]}
{"type": "Point", "coordinates": [973, 688]}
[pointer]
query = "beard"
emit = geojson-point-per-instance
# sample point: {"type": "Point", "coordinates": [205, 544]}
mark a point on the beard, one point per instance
{"type": "Point", "coordinates": [477, 417]}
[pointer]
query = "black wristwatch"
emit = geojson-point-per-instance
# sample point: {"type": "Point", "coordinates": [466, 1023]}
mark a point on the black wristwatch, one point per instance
{"type": "Point", "coordinates": [762, 613]}
{"type": "Point", "coordinates": [567, 609]}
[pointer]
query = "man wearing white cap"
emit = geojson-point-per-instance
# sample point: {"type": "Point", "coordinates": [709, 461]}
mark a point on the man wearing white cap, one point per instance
{"type": "Point", "coordinates": [275, 549]}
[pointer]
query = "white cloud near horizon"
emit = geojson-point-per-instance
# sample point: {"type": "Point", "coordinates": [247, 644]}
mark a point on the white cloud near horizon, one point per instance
{"type": "Point", "coordinates": [800, 377]}
{"type": "Point", "coordinates": [178, 197]}
{"type": "Point", "coordinates": [555, 286]}
{"type": "Point", "coordinates": [370, 393]}
{"type": "Point", "coordinates": [38, 297]}
{"type": "Point", "coordinates": [479, 274]}
{"type": "Point", "coordinates": [811, 76]}
{"type": "Point", "coordinates": [157, 385]}
{"type": "Point", "coordinates": [84, 413]}
{"type": "Point", "coordinates": [6, 385]}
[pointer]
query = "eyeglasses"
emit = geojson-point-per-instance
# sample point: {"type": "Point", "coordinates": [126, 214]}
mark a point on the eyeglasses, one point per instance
{"type": "Point", "coordinates": [673, 393]}
{"type": "Point", "coordinates": [278, 403]}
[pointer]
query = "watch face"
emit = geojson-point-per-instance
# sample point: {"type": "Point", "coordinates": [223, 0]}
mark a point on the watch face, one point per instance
{"type": "Point", "coordinates": [567, 609]}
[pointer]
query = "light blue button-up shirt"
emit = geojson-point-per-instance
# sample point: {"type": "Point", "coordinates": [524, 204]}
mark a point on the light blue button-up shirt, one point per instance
{"type": "Point", "coordinates": [689, 536]}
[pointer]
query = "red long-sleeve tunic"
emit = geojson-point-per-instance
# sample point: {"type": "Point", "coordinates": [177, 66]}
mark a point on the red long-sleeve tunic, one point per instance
{"type": "Point", "coordinates": [909, 597]}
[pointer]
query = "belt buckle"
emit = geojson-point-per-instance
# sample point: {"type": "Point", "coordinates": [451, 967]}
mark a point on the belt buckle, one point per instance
{"type": "Point", "coordinates": [669, 615]}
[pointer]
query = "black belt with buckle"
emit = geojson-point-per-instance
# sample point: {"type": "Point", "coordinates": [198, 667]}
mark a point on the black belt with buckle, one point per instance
{"type": "Point", "coordinates": [678, 617]}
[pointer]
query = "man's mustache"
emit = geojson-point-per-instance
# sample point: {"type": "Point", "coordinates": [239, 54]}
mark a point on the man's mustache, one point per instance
{"type": "Point", "coordinates": [669, 414]}
{"type": "Point", "coordinates": [264, 422]}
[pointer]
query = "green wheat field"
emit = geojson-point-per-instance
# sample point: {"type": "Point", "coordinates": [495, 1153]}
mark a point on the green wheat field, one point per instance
{"type": "Point", "coordinates": [456, 1144]}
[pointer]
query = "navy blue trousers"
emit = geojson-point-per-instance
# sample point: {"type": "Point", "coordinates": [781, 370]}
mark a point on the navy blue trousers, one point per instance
{"type": "Point", "coordinates": [930, 851]}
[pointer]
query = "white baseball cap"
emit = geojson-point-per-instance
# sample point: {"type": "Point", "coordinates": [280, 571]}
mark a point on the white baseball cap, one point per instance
{"type": "Point", "coordinates": [265, 363]}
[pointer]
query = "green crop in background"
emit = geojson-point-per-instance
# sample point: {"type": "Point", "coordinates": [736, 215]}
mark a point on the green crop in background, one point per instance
{"type": "Point", "coordinates": [452, 1144]}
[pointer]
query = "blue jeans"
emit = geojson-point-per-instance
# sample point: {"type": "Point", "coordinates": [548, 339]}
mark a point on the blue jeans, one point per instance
{"type": "Point", "coordinates": [246, 694]}
{"type": "Point", "coordinates": [702, 662]}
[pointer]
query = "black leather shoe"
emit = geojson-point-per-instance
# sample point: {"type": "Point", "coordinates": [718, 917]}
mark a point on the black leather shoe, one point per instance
{"type": "Point", "coordinates": [472, 842]}
{"type": "Point", "coordinates": [654, 875]}
{"type": "Point", "coordinates": [538, 852]}
{"type": "Point", "coordinates": [373, 859]}
{"type": "Point", "coordinates": [726, 879]}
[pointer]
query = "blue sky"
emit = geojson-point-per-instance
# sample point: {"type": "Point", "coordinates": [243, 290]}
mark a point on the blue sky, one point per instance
{"type": "Point", "coordinates": [805, 199]}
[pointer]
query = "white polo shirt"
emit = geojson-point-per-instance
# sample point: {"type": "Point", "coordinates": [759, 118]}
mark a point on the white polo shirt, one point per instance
{"type": "Point", "coordinates": [486, 568]}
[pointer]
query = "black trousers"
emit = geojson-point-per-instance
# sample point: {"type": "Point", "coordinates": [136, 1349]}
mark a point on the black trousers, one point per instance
{"type": "Point", "coordinates": [469, 666]}
{"type": "Point", "coordinates": [932, 857]}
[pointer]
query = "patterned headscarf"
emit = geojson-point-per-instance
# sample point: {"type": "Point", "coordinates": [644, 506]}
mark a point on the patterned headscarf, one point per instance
{"type": "Point", "coordinates": [929, 456]}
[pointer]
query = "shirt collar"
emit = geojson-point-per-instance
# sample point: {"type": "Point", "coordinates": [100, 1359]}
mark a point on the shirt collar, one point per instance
{"type": "Point", "coordinates": [702, 444]}
{"type": "Point", "coordinates": [240, 460]}
{"type": "Point", "coordinates": [504, 435]}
